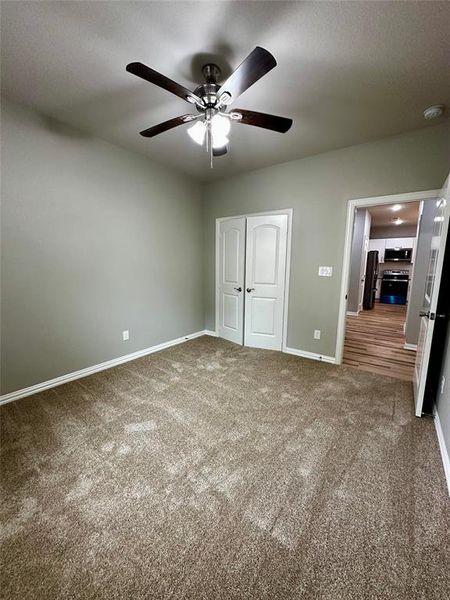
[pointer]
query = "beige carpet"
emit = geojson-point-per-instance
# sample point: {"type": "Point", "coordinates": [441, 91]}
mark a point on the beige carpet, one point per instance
{"type": "Point", "coordinates": [210, 471]}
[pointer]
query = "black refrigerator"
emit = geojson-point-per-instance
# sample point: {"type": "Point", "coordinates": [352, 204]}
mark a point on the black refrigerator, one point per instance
{"type": "Point", "coordinates": [370, 286]}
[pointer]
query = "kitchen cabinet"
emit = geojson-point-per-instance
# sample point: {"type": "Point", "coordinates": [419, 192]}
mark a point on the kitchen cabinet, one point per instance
{"type": "Point", "coordinates": [407, 242]}
{"type": "Point", "coordinates": [380, 246]}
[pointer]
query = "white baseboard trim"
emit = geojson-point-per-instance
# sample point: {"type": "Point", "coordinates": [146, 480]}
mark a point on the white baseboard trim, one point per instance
{"type": "Point", "coordinates": [51, 383]}
{"type": "Point", "coordinates": [311, 355]}
{"type": "Point", "coordinates": [410, 347]}
{"type": "Point", "coordinates": [443, 448]}
{"type": "Point", "coordinates": [210, 332]}
{"type": "Point", "coordinates": [352, 313]}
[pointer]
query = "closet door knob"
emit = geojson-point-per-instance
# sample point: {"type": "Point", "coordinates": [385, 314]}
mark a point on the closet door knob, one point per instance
{"type": "Point", "coordinates": [239, 289]}
{"type": "Point", "coordinates": [250, 290]}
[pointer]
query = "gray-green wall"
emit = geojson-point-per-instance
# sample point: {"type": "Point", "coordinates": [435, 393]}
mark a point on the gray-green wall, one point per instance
{"type": "Point", "coordinates": [318, 188]}
{"type": "Point", "coordinates": [96, 240]}
{"type": "Point", "coordinates": [398, 231]}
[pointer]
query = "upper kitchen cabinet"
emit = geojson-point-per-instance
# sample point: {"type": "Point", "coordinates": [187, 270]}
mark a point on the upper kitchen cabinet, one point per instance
{"type": "Point", "coordinates": [406, 242]}
{"type": "Point", "coordinates": [380, 246]}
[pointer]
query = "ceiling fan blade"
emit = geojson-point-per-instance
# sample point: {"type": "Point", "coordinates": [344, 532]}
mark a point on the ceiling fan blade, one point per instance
{"type": "Point", "coordinates": [144, 72]}
{"type": "Point", "coordinates": [258, 63]}
{"type": "Point", "coordinates": [156, 129]}
{"type": "Point", "coordinates": [250, 117]}
{"type": "Point", "coordinates": [220, 151]}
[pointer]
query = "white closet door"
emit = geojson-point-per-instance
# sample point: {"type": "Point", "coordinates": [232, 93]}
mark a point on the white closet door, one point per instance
{"type": "Point", "coordinates": [231, 280]}
{"type": "Point", "coordinates": [265, 281]}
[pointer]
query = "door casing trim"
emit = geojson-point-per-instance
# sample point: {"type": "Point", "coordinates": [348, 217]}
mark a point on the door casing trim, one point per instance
{"type": "Point", "coordinates": [285, 211]}
{"type": "Point", "coordinates": [351, 205]}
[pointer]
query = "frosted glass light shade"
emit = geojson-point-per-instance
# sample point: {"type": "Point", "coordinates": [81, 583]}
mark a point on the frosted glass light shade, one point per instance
{"type": "Point", "coordinates": [197, 132]}
{"type": "Point", "coordinates": [219, 141]}
{"type": "Point", "coordinates": [220, 126]}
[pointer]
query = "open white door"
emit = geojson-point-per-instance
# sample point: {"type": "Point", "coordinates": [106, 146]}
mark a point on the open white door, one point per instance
{"type": "Point", "coordinates": [265, 281]}
{"type": "Point", "coordinates": [363, 273]}
{"type": "Point", "coordinates": [365, 251]}
{"type": "Point", "coordinates": [433, 281]}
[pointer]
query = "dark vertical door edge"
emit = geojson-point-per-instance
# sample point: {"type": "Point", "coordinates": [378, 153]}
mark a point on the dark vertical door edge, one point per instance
{"type": "Point", "coordinates": [439, 335]}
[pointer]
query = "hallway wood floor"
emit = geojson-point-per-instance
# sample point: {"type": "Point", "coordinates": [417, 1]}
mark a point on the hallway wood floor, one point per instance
{"type": "Point", "coordinates": [374, 342]}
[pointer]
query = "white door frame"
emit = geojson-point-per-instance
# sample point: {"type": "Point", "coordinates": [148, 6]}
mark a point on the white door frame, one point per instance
{"type": "Point", "coordinates": [285, 211]}
{"type": "Point", "coordinates": [364, 203]}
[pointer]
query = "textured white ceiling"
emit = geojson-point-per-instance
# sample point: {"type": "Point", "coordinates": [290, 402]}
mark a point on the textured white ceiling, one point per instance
{"type": "Point", "coordinates": [383, 215]}
{"type": "Point", "coordinates": [348, 72]}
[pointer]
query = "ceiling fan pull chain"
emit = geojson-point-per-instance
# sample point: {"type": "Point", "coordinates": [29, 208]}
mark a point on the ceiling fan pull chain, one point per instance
{"type": "Point", "coordinates": [210, 145]}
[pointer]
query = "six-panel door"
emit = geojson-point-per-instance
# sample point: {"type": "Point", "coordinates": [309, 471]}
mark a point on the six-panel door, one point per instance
{"type": "Point", "coordinates": [265, 275]}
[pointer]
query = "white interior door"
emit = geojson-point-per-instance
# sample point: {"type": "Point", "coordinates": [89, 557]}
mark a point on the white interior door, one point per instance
{"type": "Point", "coordinates": [231, 280]}
{"type": "Point", "coordinates": [428, 313]}
{"type": "Point", "coordinates": [363, 272]}
{"type": "Point", "coordinates": [265, 276]}
{"type": "Point", "coordinates": [365, 250]}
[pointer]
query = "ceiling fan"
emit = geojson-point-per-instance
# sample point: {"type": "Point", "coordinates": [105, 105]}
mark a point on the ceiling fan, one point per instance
{"type": "Point", "coordinates": [212, 100]}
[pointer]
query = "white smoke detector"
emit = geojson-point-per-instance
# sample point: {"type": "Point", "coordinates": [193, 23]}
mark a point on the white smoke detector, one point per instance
{"type": "Point", "coordinates": [434, 112]}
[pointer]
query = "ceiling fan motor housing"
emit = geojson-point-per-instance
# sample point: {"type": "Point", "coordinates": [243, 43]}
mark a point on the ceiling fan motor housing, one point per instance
{"type": "Point", "coordinates": [208, 93]}
{"type": "Point", "coordinates": [211, 73]}
{"type": "Point", "coordinates": [208, 90]}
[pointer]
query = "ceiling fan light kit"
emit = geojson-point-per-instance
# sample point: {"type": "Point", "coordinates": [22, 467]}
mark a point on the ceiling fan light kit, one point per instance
{"type": "Point", "coordinates": [197, 133]}
{"type": "Point", "coordinates": [213, 122]}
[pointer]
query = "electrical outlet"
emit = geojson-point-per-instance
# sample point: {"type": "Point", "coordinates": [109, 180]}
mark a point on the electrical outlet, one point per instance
{"type": "Point", "coordinates": [125, 335]}
{"type": "Point", "coordinates": [317, 334]}
{"type": "Point", "coordinates": [442, 384]}
{"type": "Point", "coordinates": [325, 271]}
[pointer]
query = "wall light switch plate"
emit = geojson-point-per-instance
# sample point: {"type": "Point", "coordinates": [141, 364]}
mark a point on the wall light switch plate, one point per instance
{"type": "Point", "coordinates": [317, 334]}
{"type": "Point", "coordinates": [325, 271]}
{"type": "Point", "coordinates": [125, 335]}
